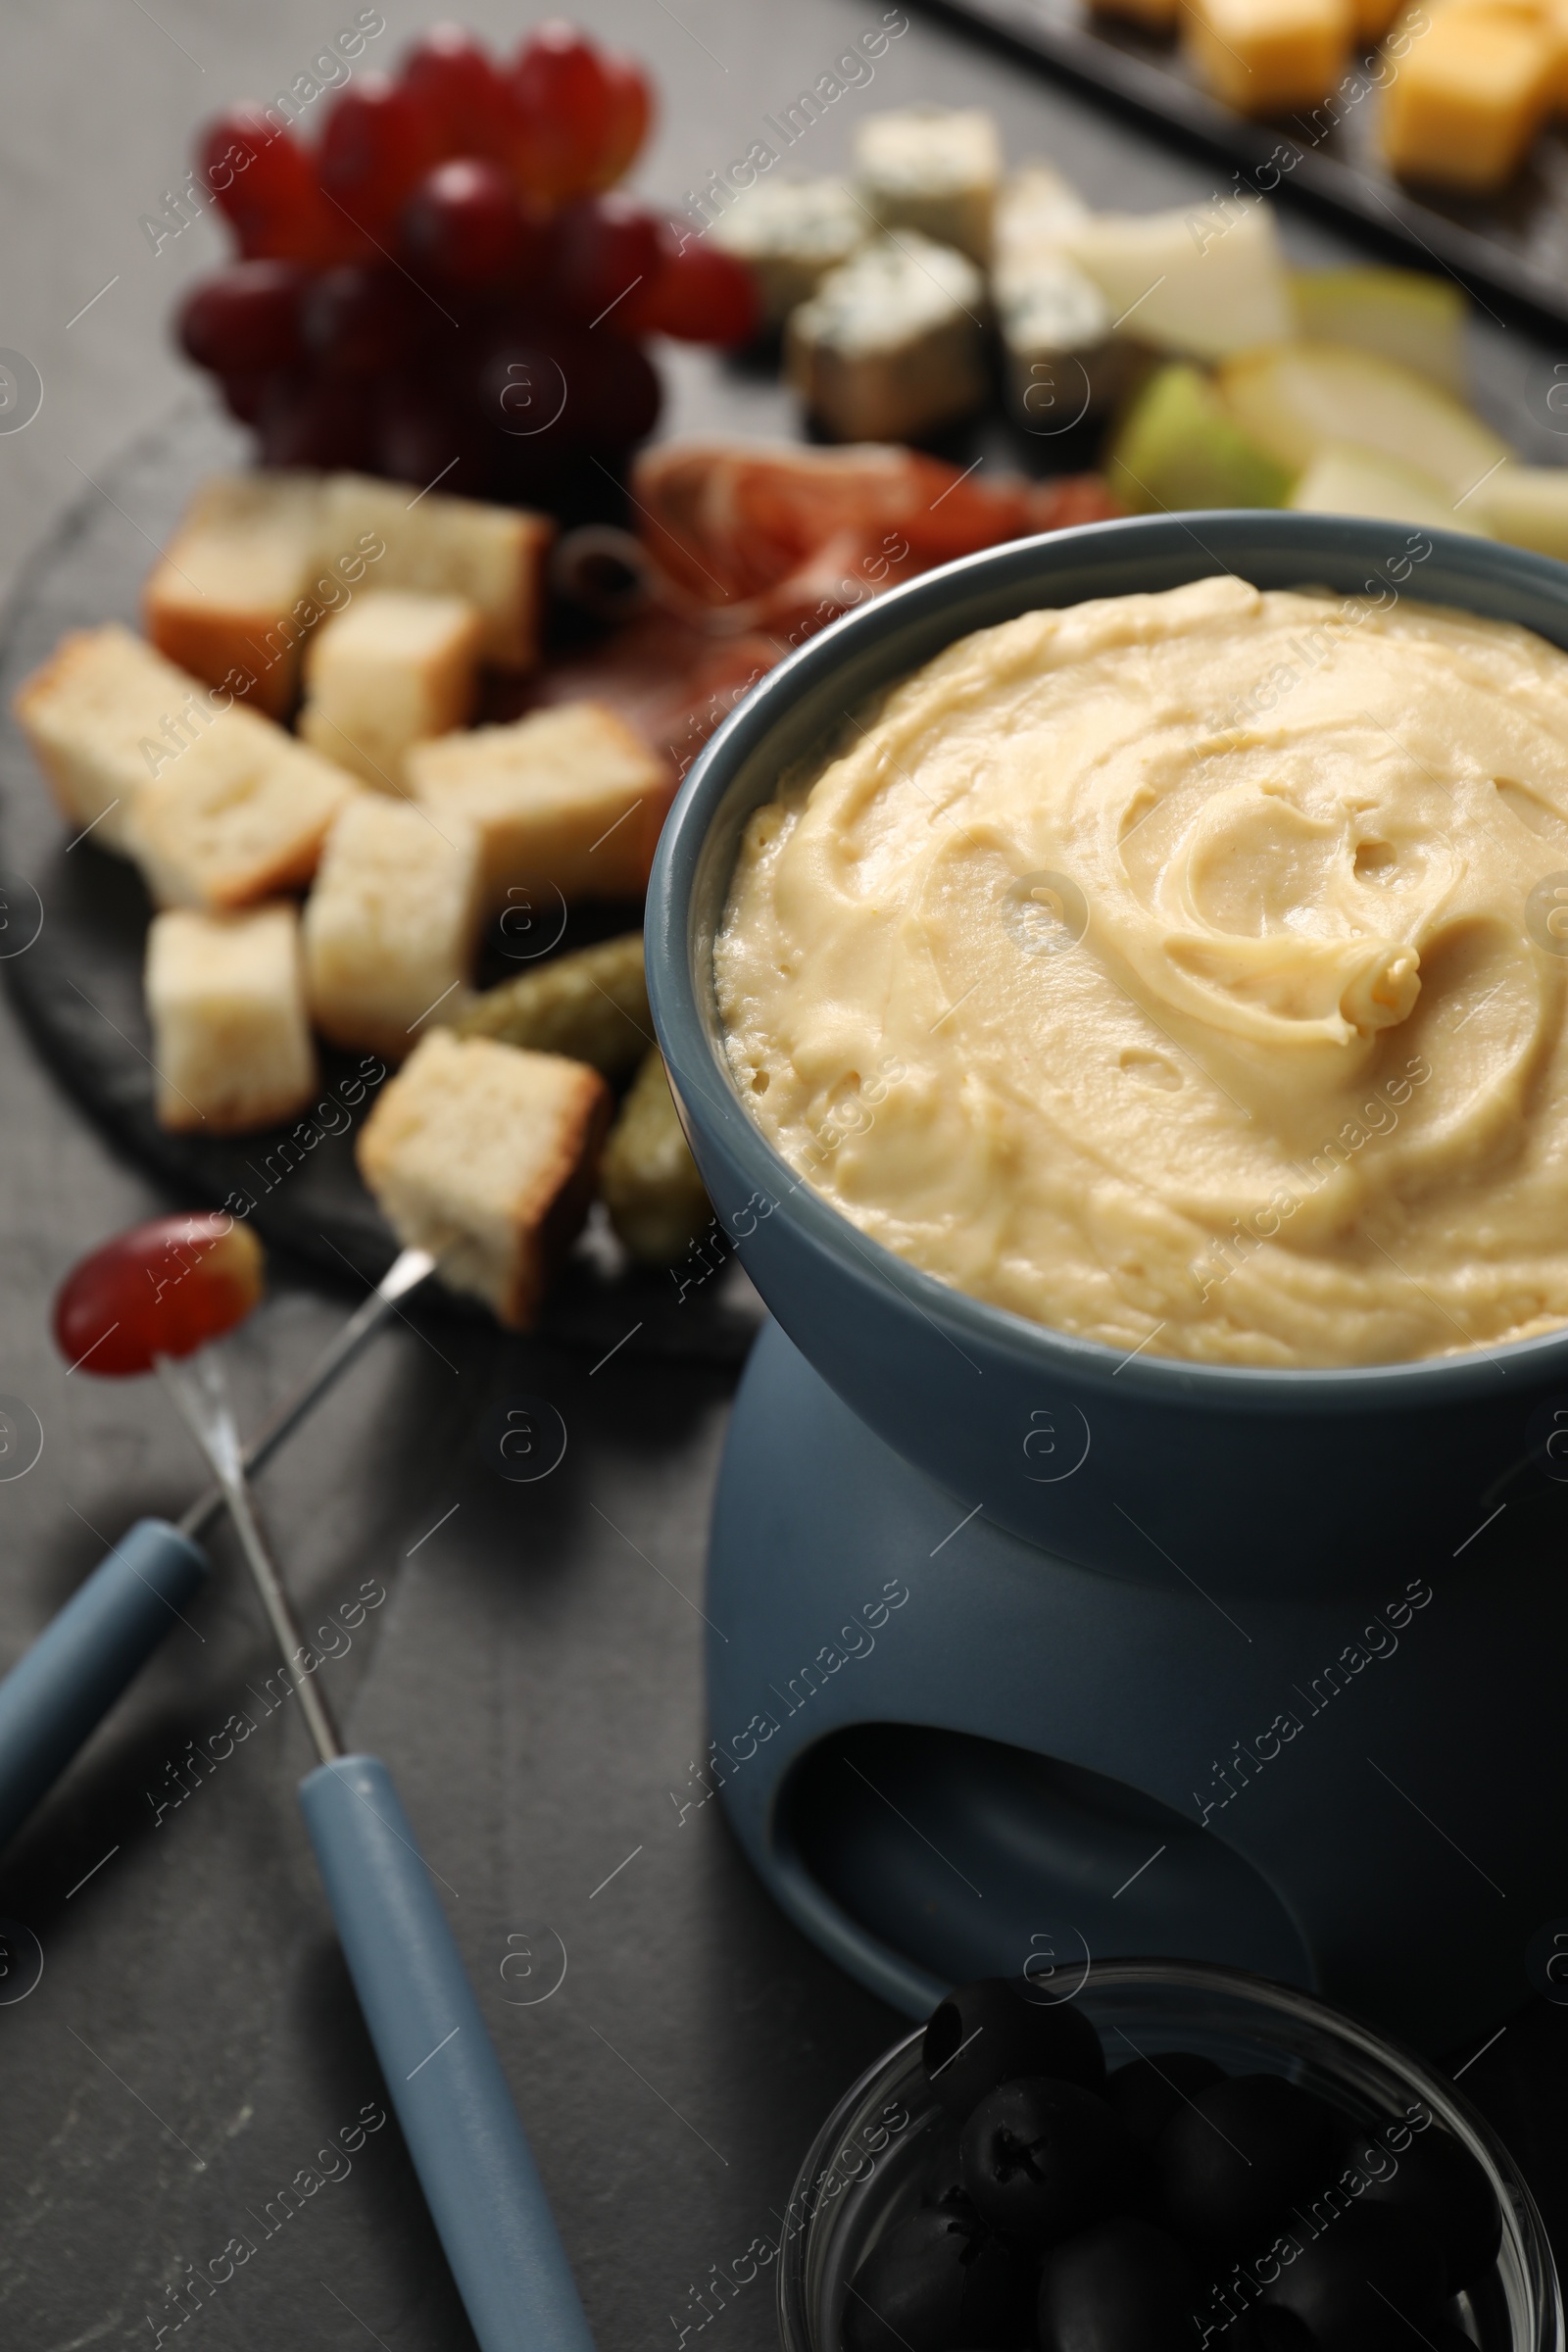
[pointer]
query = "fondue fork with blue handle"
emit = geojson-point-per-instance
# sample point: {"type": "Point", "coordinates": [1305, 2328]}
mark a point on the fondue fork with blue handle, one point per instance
{"type": "Point", "coordinates": [88, 1653]}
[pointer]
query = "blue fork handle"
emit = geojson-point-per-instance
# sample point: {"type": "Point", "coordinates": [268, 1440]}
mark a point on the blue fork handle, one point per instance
{"type": "Point", "coordinates": [85, 1657]}
{"type": "Point", "coordinates": [462, 2130]}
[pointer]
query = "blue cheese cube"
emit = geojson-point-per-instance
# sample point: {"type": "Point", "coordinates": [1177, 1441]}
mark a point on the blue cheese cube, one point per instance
{"type": "Point", "coordinates": [791, 233]}
{"type": "Point", "coordinates": [1035, 211]}
{"type": "Point", "coordinates": [892, 344]}
{"type": "Point", "coordinates": [1062, 362]}
{"type": "Point", "coordinates": [935, 169]}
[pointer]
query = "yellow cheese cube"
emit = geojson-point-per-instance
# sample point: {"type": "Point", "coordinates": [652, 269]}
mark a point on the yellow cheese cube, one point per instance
{"type": "Point", "coordinates": [1470, 95]}
{"type": "Point", "coordinates": [1264, 57]}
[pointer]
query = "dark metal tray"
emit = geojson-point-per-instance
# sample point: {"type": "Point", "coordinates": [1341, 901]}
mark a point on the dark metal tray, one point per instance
{"type": "Point", "coordinates": [1515, 245]}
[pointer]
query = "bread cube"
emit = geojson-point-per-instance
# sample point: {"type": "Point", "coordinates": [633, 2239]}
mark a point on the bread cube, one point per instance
{"type": "Point", "coordinates": [486, 1155]}
{"type": "Point", "coordinates": [892, 344]}
{"type": "Point", "coordinates": [568, 798]}
{"type": "Point", "coordinates": [226, 997]}
{"type": "Point", "coordinates": [790, 233]}
{"type": "Point", "coordinates": [934, 168]}
{"type": "Point", "coordinates": [238, 815]}
{"type": "Point", "coordinates": [1470, 95]}
{"type": "Point", "coordinates": [102, 715]}
{"type": "Point", "coordinates": [493, 556]}
{"type": "Point", "coordinates": [1264, 57]}
{"type": "Point", "coordinates": [391, 926]}
{"type": "Point", "coordinates": [391, 670]}
{"type": "Point", "coordinates": [229, 600]}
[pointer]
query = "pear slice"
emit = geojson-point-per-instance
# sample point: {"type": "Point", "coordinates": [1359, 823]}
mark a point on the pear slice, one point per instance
{"type": "Point", "coordinates": [1528, 506]}
{"type": "Point", "coordinates": [1404, 316]}
{"type": "Point", "coordinates": [1294, 399]}
{"type": "Point", "coordinates": [1200, 283]}
{"type": "Point", "coordinates": [1344, 479]}
{"type": "Point", "coordinates": [1177, 448]}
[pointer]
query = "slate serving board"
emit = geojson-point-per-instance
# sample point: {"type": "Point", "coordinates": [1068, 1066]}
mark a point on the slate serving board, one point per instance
{"type": "Point", "coordinates": [74, 921]}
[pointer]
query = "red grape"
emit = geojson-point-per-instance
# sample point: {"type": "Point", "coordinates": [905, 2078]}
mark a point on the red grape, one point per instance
{"type": "Point", "coordinates": [628, 112]}
{"type": "Point", "coordinates": [614, 394]}
{"type": "Point", "coordinates": [604, 245]}
{"type": "Point", "coordinates": [357, 321]}
{"type": "Point", "coordinates": [264, 184]}
{"type": "Point", "coordinates": [697, 294]}
{"type": "Point", "coordinates": [420, 429]}
{"type": "Point", "coordinates": [464, 225]}
{"type": "Point", "coordinates": [374, 146]}
{"type": "Point", "coordinates": [245, 320]}
{"type": "Point", "coordinates": [562, 387]}
{"type": "Point", "coordinates": [246, 396]}
{"type": "Point", "coordinates": [164, 1287]}
{"type": "Point", "coordinates": [580, 116]}
{"type": "Point", "coordinates": [327, 422]}
{"type": "Point", "coordinates": [458, 89]}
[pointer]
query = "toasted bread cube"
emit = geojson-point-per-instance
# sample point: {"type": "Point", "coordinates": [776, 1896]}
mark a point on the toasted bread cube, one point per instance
{"type": "Point", "coordinates": [934, 168]}
{"type": "Point", "coordinates": [226, 997]}
{"type": "Point", "coordinates": [391, 925]}
{"type": "Point", "coordinates": [891, 345]}
{"type": "Point", "coordinates": [790, 233]}
{"type": "Point", "coordinates": [102, 715]}
{"type": "Point", "coordinates": [493, 556]}
{"type": "Point", "coordinates": [1471, 92]}
{"type": "Point", "coordinates": [238, 815]}
{"type": "Point", "coordinates": [568, 798]}
{"type": "Point", "coordinates": [486, 1155]}
{"type": "Point", "coordinates": [229, 600]}
{"type": "Point", "coordinates": [389, 670]}
{"type": "Point", "coordinates": [1264, 56]}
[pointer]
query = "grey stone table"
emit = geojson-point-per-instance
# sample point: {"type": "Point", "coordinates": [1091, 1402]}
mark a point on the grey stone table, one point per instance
{"type": "Point", "coordinates": [527, 1657]}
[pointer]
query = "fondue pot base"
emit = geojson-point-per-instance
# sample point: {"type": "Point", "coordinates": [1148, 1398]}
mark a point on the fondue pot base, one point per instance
{"type": "Point", "coordinates": [951, 1754]}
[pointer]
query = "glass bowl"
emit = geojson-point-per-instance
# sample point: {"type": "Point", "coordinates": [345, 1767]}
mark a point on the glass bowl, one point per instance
{"type": "Point", "coordinates": [863, 2171]}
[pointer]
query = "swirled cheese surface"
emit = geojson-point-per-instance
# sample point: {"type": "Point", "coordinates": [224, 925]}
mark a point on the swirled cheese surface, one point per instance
{"type": "Point", "coordinates": [1186, 972]}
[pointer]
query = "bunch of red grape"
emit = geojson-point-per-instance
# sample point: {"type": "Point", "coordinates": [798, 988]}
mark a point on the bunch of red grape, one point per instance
{"type": "Point", "coordinates": [449, 287]}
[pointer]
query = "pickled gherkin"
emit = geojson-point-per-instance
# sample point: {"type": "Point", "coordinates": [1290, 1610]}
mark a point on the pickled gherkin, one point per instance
{"type": "Point", "coordinates": [649, 1179]}
{"type": "Point", "coordinates": [591, 1004]}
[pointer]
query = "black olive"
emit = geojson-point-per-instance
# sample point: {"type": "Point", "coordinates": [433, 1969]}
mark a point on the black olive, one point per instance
{"type": "Point", "coordinates": [1147, 2093]}
{"type": "Point", "coordinates": [1268, 2329]}
{"type": "Point", "coordinates": [1234, 2161]}
{"type": "Point", "coordinates": [1124, 2286]}
{"type": "Point", "coordinates": [998, 2028]}
{"type": "Point", "coordinates": [1370, 2281]}
{"type": "Point", "coordinates": [941, 2183]}
{"type": "Point", "coordinates": [1043, 2160]}
{"type": "Point", "coordinates": [936, 2281]}
{"type": "Point", "coordinates": [1438, 2180]}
